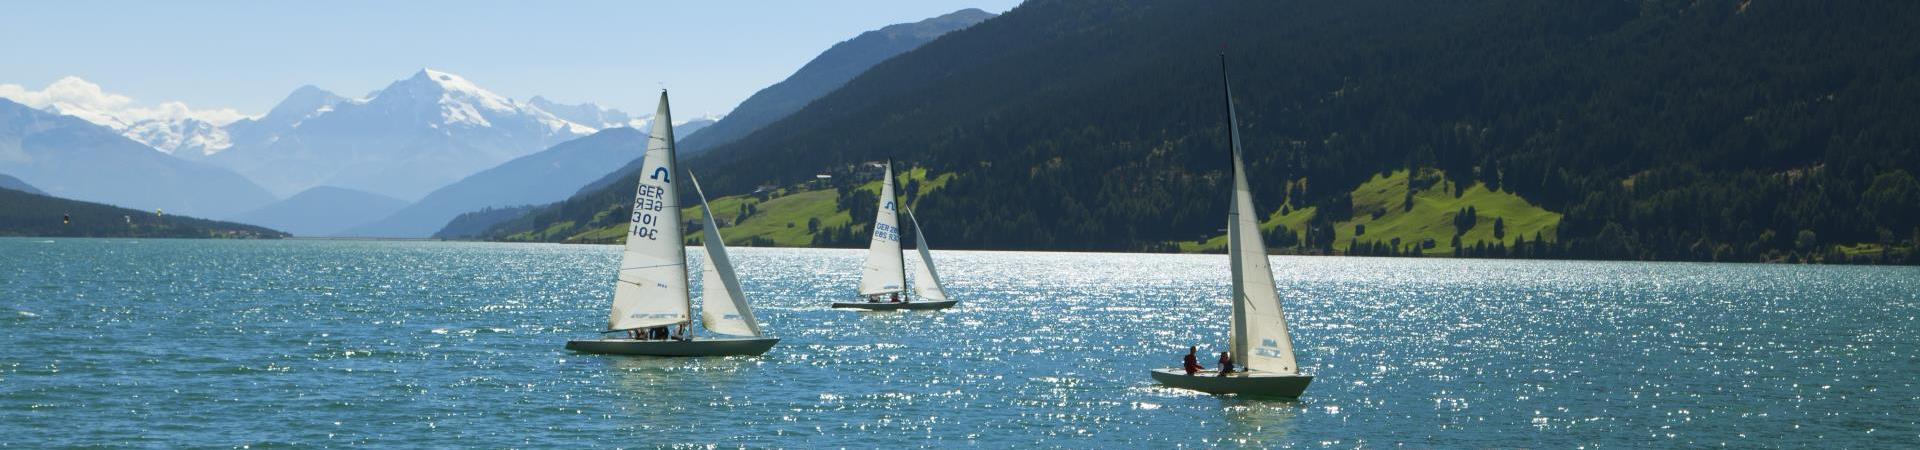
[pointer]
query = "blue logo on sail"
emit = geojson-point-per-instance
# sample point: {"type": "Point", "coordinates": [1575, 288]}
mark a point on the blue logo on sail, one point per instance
{"type": "Point", "coordinates": [1268, 348]}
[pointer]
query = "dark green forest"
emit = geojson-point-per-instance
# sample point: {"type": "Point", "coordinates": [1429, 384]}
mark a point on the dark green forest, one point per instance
{"type": "Point", "coordinates": [25, 214]}
{"type": "Point", "coordinates": [1709, 130]}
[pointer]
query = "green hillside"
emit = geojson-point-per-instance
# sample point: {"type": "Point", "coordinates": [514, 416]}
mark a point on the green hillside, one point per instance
{"type": "Point", "coordinates": [781, 219]}
{"type": "Point", "coordinates": [1431, 216]}
{"type": "Point", "coordinates": [25, 214]}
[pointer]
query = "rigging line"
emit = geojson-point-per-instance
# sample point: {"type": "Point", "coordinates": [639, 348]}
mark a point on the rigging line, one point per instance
{"type": "Point", "coordinates": [650, 267]}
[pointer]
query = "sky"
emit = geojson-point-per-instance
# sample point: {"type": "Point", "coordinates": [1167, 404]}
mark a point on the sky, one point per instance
{"type": "Point", "coordinates": [248, 55]}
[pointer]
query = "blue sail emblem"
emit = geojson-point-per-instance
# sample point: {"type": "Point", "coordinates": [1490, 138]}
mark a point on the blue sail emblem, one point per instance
{"type": "Point", "coordinates": [660, 173]}
{"type": "Point", "coordinates": [889, 206]}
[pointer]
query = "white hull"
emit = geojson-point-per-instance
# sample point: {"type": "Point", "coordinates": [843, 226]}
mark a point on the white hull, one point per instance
{"type": "Point", "coordinates": [728, 346]}
{"type": "Point", "coordinates": [1251, 383]}
{"type": "Point", "coordinates": [885, 306]}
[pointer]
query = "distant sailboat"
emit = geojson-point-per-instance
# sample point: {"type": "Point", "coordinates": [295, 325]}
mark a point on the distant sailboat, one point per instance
{"type": "Point", "coordinates": [1260, 341]}
{"type": "Point", "coordinates": [883, 277]}
{"type": "Point", "coordinates": [652, 294]}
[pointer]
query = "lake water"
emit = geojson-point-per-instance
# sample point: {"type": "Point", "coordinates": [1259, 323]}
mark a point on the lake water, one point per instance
{"type": "Point", "coordinates": [326, 343]}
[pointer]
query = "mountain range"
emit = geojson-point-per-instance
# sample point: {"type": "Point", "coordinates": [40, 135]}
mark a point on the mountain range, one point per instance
{"type": "Point", "coordinates": [341, 163]}
{"type": "Point", "coordinates": [403, 141]}
{"type": "Point", "coordinates": [73, 158]}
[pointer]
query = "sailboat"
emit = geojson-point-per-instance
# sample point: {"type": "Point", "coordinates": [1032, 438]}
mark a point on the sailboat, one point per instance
{"type": "Point", "coordinates": [1260, 341]}
{"type": "Point", "coordinates": [884, 276]}
{"type": "Point", "coordinates": [652, 293]}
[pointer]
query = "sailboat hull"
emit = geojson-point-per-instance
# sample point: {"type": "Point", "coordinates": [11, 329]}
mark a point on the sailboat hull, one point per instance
{"type": "Point", "coordinates": [743, 346]}
{"type": "Point", "coordinates": [916, 306]}
{"type": "Point", "coordinates": [1249, 383]}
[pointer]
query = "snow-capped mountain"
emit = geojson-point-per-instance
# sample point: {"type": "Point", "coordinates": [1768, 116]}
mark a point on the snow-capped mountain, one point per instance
{"type": "Point", "coordinates": [73, 158]}
{"type": "Point", "coordinates": [588, 114]}
{"type": "Point", "coordinates": [304, 103]}
{"type": "Point", "coordinates": [180, 136]}
{"type": "Point", "coordinates": [171, 127]}
{"type": "Point", "coordinates": [403, 141]}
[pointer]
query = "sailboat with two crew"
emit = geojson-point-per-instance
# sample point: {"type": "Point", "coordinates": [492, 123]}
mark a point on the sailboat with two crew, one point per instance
{"type": "Point", "coordinates": [1259, 337]}
{"type": "Point", "coordinates": [883, 277]}
{"type": "Point", "coordinates": [652, 299]}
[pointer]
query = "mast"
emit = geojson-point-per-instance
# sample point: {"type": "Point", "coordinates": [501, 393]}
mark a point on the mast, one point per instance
{"type": "Point", "coordinates": [1261, 340]}
{"type": "Point", "coordinates": [664, 121]}
{"type": "Point", "coordinates": [1238, 342]}
{"type": "Point", "coordinates": [903, 249]}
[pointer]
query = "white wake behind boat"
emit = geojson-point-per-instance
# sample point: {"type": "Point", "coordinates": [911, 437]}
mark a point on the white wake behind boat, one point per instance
{"type": "Point", "coordinates": [884, 275]}
{"type": "Point", "coordinates": [653, 292]}
{"type": "Point", "coordinates": [1260, 341]}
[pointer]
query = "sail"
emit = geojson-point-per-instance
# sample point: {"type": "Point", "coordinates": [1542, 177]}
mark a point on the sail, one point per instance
{"type": "Point", "coordinates": [926, 281]}
{"type": "Point", "coordinates": [1260, 337]}
{"type": "Point", "coordinates": [884, 271]}
{"type": "Point", "coordinates": [652, 288]}
{"type": "Point", "coordinates": [723, 308]}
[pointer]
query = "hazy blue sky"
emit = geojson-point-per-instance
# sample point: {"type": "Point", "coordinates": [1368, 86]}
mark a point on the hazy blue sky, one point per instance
{"type": "Point", "coordinates": [247, 55]}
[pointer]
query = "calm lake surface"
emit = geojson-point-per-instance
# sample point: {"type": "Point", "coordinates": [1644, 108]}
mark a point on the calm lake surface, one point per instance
{"type": "Point", "coordinates": [117, 342]}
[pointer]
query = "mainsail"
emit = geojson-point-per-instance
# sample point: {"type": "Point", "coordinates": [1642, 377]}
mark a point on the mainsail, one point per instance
{"type": "Point", "coordinates": [1260, 337]}
{"type": "Point", "coordinates": [926, 282]}
{"type": "Point", "coordinates": [652, 289]}
{"type": "Point", "coordinates": [885, 271]}
{"type": "Point", "coordinates": [723, 308]}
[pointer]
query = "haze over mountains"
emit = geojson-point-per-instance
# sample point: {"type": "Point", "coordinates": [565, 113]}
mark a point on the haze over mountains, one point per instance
{"type": "Point", "coordinates": [539, 178]}
{"type": "Point", "coordinates": [73, 158]}
{"type": "Point", "coordinates": [398, 162]}
{"type": "Point", "coordinates": [415, 135]}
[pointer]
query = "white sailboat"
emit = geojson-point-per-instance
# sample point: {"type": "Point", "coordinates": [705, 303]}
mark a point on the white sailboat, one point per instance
{"type": "Point", "coordinates": [883, 278]}
{"type": "Point", "coordinates": [651, 297]}
{"type": "Point", "coordinates": [1260, 341]}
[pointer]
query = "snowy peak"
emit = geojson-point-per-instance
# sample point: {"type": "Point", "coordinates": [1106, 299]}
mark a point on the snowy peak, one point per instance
{"type": "Point", "coordinates": [447, 88]}
{"type": "Point", "coordinates": [183, 136]}
{"type": "Point", "coordinates": [306, 101]}
{"type": "Point", "coordinates": [403, 141]}
{"type": "Point", "coordinates": [169, 127]}
{"type": "Point", "coordinates": [460, 103]}
{"type": "Point", "coordinates": [587, 114]}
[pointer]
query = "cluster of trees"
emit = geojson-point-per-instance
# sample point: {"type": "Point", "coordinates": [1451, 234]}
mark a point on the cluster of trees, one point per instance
{"type": "Point", "coordinates": [1662, 129]}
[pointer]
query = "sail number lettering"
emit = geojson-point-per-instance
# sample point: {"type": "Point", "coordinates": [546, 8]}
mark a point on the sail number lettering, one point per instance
{"type": "Point", "coordinates": [885, 232]}
{"type": "Point", "coordinates": [648, 201]}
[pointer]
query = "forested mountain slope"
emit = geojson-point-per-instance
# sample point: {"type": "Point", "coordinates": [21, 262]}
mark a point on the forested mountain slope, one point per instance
{"type": "Point", "coordinates": [1699, 130]}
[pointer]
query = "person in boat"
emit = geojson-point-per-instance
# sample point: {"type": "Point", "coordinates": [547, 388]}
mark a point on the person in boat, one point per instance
{"type": "Point", "coordinates": [633, 334]}
{"type": "Point", "coordinates": [1226, 363]}
{"type": "Point", "coordinates": [681, 333]}
{"type": "Point", "coordinates": [894, 297]}
{"type": "Point", "coordinates": [1192, 363]}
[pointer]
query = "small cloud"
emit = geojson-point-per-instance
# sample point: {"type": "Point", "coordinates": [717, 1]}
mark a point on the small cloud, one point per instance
{"type": "Point", "coordinates": [80, 98]}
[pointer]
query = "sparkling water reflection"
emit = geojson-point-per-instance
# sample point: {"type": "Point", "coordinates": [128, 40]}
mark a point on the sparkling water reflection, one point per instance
{"type": "Point", "coordinates": [210, 343]}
